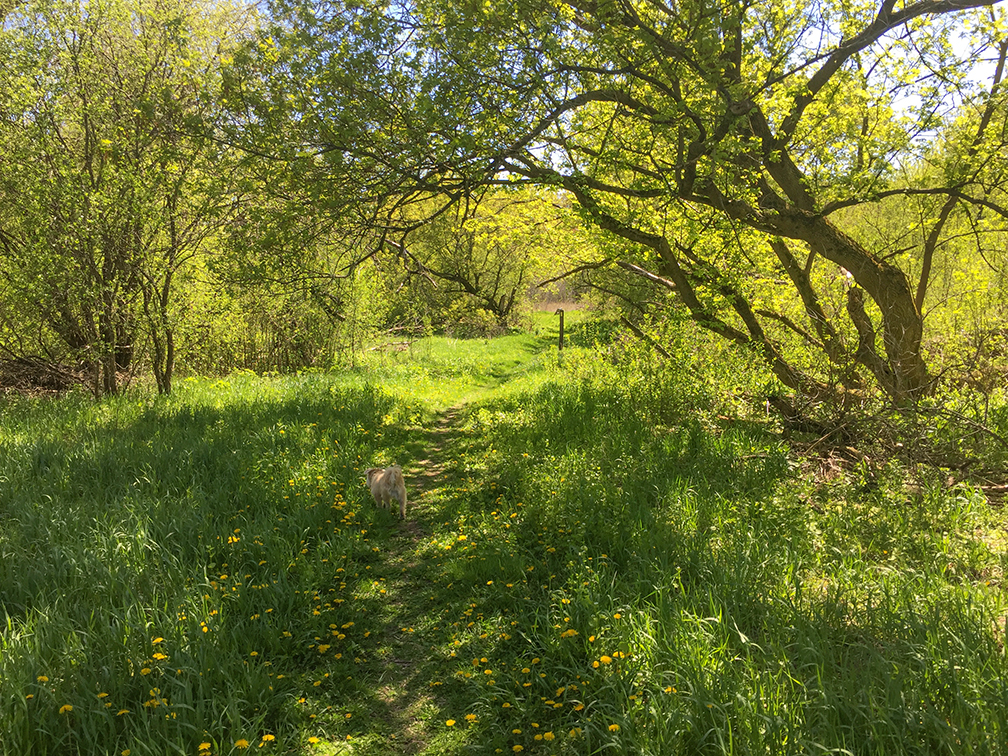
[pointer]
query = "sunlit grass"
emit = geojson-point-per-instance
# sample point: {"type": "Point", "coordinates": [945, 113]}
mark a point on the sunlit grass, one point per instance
{"type": "Point", "coordinates": [617, 559]}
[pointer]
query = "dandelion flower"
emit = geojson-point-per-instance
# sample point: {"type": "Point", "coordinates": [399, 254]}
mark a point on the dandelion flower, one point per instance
{"type": "Point", "coordinates": [204, 746]}
{"type": "Point", "coordinates": [470, 717]}
{"type": "Point", "coordinates": [66, 708]}
{"type": "Point", "coordinates": [267, 738]}
{"type": "Point", "coordinates": [606, 659]}
{"type": "Point", "coordinates": [617, 615]}
{"type": "Point", "coordinates": [241, 743]}
{"type": "Point", "coordinates": [145, 671]}
{"type": "Point", "coordinates": [517, 748]}
{"type": "Point", "coordinates": [450, 722]}
{"type": "Point", "coordinates": [548, 735]}
{"type": "Point", "coordinates": [614, 728]}
{"type": "Point", "coordinates": [313, 740]}
{"type": "Point", "coordinates": [42, 678]}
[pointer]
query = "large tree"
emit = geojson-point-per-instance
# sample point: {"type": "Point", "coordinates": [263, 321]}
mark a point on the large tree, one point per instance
{"type": "Point", "coordinates": [727, 146]}
{"type": "Point", "coordinates": [111, 180]}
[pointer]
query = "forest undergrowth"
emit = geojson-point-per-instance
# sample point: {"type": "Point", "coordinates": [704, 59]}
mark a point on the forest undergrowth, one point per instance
{"type": "Point", "coordinates": [600, 556]}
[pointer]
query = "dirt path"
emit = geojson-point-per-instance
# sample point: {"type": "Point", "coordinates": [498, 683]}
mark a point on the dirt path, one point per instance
{"type": "Point", "coordinates": [402, 667]}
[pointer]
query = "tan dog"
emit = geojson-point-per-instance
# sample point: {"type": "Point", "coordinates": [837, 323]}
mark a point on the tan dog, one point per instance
{"type": "Point", "coordinates": [386, 485]}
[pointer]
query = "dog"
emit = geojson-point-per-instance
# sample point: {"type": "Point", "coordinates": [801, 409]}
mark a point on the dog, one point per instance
{"type": "Point", "coordinates": [387, 485]}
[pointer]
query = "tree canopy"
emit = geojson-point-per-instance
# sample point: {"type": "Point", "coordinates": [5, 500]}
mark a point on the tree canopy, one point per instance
{"type": "Point", "coordinates": [723, 144]}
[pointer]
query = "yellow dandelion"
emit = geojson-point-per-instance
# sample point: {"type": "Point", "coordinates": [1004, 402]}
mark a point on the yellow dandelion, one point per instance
{"type": "Point", "coordinates": [505, 705]}
{"type": "Point", "coordinates": [617, 615]}
{"type": "Point", "coordinates": [267, 738]}
{"type": "Point", "coordinates": [42, 678]}
{"type": "Point", "coordinates": [122, 711]}
{"type": "Point", "coordinates": [241, 743]}
{"type": "Point", "coordinates": [145, 671]}
{"type": "Point", "coordinates": [103, 695]}
{"type": "Point", "coordinates": [450, 722]}
{"type": "Point", "coordinates": [614, 728]}
{"type": "Point", "coordinates": [548, 735]}
{"type": "Point", "coordinates": [517, 748]}
{"type": "Point", "coordinates": [66, 708]}
{"type": "Point", "coordinates": [606, 659]}
{"type": "Point", "coordinates": [470, 717]}
{"type": "Point", "coordinates": [204, 746]}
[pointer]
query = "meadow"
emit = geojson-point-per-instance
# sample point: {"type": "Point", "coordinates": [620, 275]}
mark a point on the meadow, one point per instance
{"type": "Point", "coordinates": [601, 556]}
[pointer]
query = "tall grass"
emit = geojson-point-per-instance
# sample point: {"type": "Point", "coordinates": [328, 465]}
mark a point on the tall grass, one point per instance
{"type": "Point", "coordinates": [620, 558]}
{"type": "Point", "coordinates": [168, 563]}
{"type": "Point", "coordinates": [656, 584]}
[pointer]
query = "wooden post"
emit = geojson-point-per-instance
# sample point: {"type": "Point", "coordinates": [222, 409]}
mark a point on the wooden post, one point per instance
{"type": "Point", "coordinates": [560, 313]}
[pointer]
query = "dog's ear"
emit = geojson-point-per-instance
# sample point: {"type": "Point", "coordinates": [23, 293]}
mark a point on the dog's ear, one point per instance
{"type": "Point", "coordinates": [370, 473]}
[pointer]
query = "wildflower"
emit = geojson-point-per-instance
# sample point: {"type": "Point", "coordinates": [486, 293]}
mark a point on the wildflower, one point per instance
{"type": "Point", "coordinates": [313, 740]}
{"type": "Point", "coordinates": [204, 746]}
{"type": "Point", "coordinates": [614, 728]}
{"type": "Point", "coordinates": [470, 717]}
{"type": "Point", "coordinates": [617, 615]}
{"type": "Point", "coordinates": [66, 708]}
{"type": "Point", "coordinates": [505, 705]}
{"type": "Point", "coordinates": [548, 735]}
{"type": "Point", "coordinates": [241, 743]}
{"type": "Point", "coordinates": [122, 711]}
{"type": "Point", "coordinates": [517, 748]}
{"type": "Point", "coordinates": [450, 722]}
{"type": "Point", "coordinates": [103, 695]}
{"type": "Point", "coordinates": [525, 670]}
{"type": "Point", "coordinates": [606, 659]}
{"type": "Point", "coordinates": [145, 671]}
{"type": "Point", "coordinates": [157, 640]}
{"type": "Point", "coordinates": [516, 732]}
{"type": "Point", "coordinates": [42, 678]}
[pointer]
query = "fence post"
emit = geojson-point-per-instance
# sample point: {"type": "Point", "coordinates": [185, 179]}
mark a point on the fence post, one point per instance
{"type": "Point", "coordinates": [560, 313]}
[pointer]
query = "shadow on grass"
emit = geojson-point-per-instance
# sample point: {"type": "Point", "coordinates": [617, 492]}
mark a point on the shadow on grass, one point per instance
{"type": "Point", "coordinates": [678, 593]}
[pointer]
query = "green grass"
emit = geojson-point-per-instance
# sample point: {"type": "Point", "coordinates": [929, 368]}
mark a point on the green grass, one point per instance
{"type": "Point", "coordinates": [615, 558]}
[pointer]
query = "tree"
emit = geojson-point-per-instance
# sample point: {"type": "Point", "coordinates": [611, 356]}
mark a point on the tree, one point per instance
{"type": "Point", "coordinates": [723, 144]}
{"type": "Point", "coordinates": [492, 256]}
{"type": "Point", "coordinates": [115, 182]}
